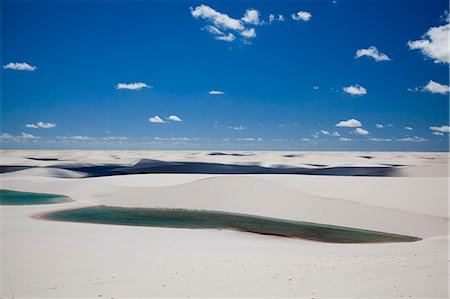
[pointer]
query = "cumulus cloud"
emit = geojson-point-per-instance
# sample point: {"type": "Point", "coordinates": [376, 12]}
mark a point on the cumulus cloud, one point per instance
{"type": "Point", "coordinates": [379, 126]}
{"type": "Point", "coordinates": [237, 128]}
{"type": "Point", "coordinates": [251, 16]}
{"type": "Point", "coordinates": [361, 131]}
{"type": "Point", "coordinates": [28, 136]}
{"type": "Point", "coordinates": [20, 66]}
{"type": "Point", "coordinates": [351, 123]}
{"type": "Point", "coordinates": [41, 125]}
{"type": "Point", "coordinates": [355, 90]}
{"type": "Point", "coordinates": [132, 86]}
{"type": "Point", "coordinates": [249, 33]}
{"type": "Point", "coordinates": [344, 139]}
{"type": "Point", "coordinates": [372, 52]}
{"type": "Point", "coordinates": [174, 118]}
{"type": "Point", "coordinates": [220, 20]}
{"type": "Point", "coordinates": [156, 119]}
{"type": "Point", "coordinates": [437, 133]}
{"type": "Point", "coordinates": [434, 43]}
{"type": "Point", "coordinates": [315, 87]}
{"type": "Point", "coordinates": [273, 18]}
{"type": "Point", "coordinates": [435, 87]}
{"type": "Point", "coordinates": [216, 92]}
{"type": "Point", "coordinates": [442, 129]}
{"type": "Point", "coordinates": [219, 35]}
{"type": "Point", "coordinates": [408, 128]}
{"type": "Point", "coordinates": [302, 15]}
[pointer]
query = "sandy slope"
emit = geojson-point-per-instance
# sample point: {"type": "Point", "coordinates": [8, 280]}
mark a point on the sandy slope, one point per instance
{"type": "Point", "coordinates": [44, 258]}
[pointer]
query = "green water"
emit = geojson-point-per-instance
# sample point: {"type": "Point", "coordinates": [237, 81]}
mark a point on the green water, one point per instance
{"type": "Point", "coordinates": [193, 219]}
{"type": "Point", "coordinates": [8, 197]}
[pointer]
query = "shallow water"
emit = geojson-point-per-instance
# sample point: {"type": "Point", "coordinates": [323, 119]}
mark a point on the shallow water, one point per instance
{"type": "Point", "coordinates": [9, 197]}
{"type": "Point", "coordinates": [194, 219]}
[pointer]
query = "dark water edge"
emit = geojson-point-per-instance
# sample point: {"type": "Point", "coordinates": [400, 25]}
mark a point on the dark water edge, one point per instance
{"type": "Point", "coordinates": [195, 219]}
{"type": "Point", "coordinates": [9, 197]}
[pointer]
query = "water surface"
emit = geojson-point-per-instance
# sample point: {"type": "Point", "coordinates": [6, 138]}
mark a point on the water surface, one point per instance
{"type": "Point", "coordinates": [195, 219]}
{"type": "Point", "coordinates": [9, 197]}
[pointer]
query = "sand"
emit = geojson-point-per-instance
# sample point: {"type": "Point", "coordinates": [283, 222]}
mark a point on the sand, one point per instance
{"type": "Point", "coordinates": [42, 258]}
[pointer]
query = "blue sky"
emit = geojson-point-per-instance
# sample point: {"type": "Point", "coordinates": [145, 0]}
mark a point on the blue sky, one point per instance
{"type": "Point", "coordinates": [91, 75]}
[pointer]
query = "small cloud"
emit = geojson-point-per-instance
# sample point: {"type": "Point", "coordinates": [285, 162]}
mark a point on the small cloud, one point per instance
{"type": "Point", "coordinates": [316, 87]}
{"type": "Point", "coordinates": [434, 43]}
{"type": "Point", "coordinates": [306, 139]}
{"type": "Point", "coordinates": [336, 134]}
{"type": "Point", "coordinates": [435, 87]}
{"type": "Point", "coordinates": [174, 118]}
{"type": "Point", "coordinates": [390, 125]}
{"type": "Point", "coordinates": [324, 132]}
{"type": "Point", "coordinates": [5, 136]}
{"type": "Point", "coordinates": [41, 125]}
{"type": "Point", "coordinates": [372, 52]}
{"type": "Point", "coordinates": [156, 119]}
{"type": "Point", "coordinates": [355, 90]}
{"type": "Point", "coordinates": [227, 37]}
{"type": "Point", "coordinates": [415, 89]}
{"type": "Point", "coordinates": [220, 20]}
{"type": "Point", "coordinates": [380, 139]}
{"type": "Point", "coordinates": [301, 15]}
{"type": "Point", "coordinates": [442, 129]}
{"type": "Point", "coordinates": [216, 92]}
{"type": "Point", "coordinates": [76, 138]}
{"type": "Point", "coordinates": [20, 66]}
{"type": "Point", "coordinates": [379, 126]}
{"type": "Point", "coordinates": [273, 18]}
{"type": "Point", "coordinates": [237, 128]}
{"type": "Point", "coordinates": [361, 131]}
{"type": "Point", "coordinates": [132, 86]}
{"type": "Point", "coordinates": [412, 139]}
{"type": "Point", "coordinates": [28, 136]}
{"type": "Point", "coordinates": [251, 16]}
{"type": "Point", "coordinates": [408, 128]}
{"type": "Point", "coordinates": [437, 133]}
{"type": "Point", "coordinates": [351, 123]}
{"type": "Point", "coordinates": [249, 33]}
{"type": "Point", "coordinates": [249, 139]}
{"type": "Point", "coordinates": [344, 139]}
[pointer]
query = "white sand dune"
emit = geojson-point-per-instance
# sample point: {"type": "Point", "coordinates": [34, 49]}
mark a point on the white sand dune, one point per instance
{"type": "Point", "coordinates": [59, 259]}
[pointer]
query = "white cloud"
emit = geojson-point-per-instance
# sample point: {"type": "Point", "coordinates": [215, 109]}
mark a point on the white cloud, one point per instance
{"type": "Point", "coordinates": [20, 66]}
{"type": "Point", "coordinates": [335, 134]}
{"type": "Point", "coordinates": [351, 123]}
{"type": "Point", "coordinates": [380, 139]}
{"type": "Point", "coordinates": [361, 131]}
{"type": "Point", "coordinates": [174, 118]}
{"type": "Point", "coordinates": [220, 20]}
{"type": "Point", "coordinates": [316, 87]}
{"type": "Point", "coordinates": [28, 136]}
{"type": "Point", "coordinates": [132, 86]}
{"type": "Point", "coordinates": [301, 15]}
{"type": "Point", "coordinates": [379, 126]}
{"type": "Point", "coordinates": [251, 16]}
{"type": "Point", "coordinates": [227, 38]}
{"type": "Point", "coordinates": [249, 139]}
{"type": "Point", "coordinates": [324, 132]}
{"type": "Point", "coordinates": [355, 90]}
{"type": "Point", "coordinates": [434, 43]}
{"type": "Point", "coordinates": [344, 139]}
{"type": "Point", "coordinates": [238, 128]}
{"type": "Point", "coordinates": [442, 129]}
{"type": "Point", "coordinates": [5, 136]}
{"type": "Point", "coordinates": [77, 138]}
{"type": "Point", "coordinates": [372, 52]}
{"type": "Point", "coordinates": [435, 87]}
{"type": "Point", "coordinates": [408, 128]}
{"type": "Point", "coordinates": [216, 92]}
{"type": "Point", "coordinates": [156, 119]}
{"type": "Point", "coordinates": [437, 133]}
{"type": "Point", "coordinates": [41, 125]}
{"type": "Point", "coordinates": [219, 34]}
{"type": "Point", "coordinates": [249, 33]}
{"type": "Point", "coordinates": [412, 139]}
{"type": "Point", "coordinates": [273, 18]}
